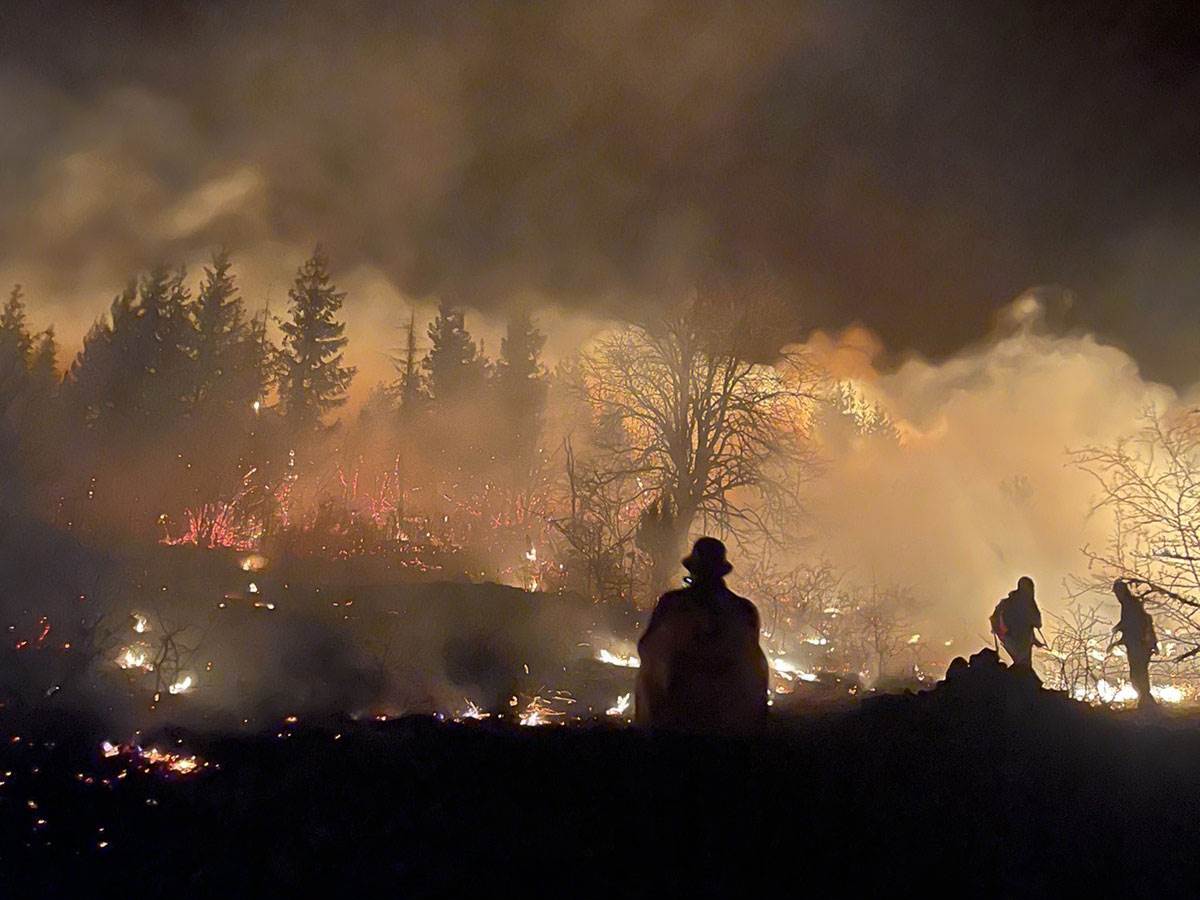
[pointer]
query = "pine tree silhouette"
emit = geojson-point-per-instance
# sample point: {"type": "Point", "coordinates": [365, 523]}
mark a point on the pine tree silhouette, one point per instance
{"type": "Point", "coordinates": [312, 378]}
{"type": "Point", "coordinates": [408, 388]}
{"type": "Point", "coordinates": [456, 369]}
{"type": "Point", "coordinates": [219, 322]}
{"type": "Point", "coordinates": [521, 388]}
{"type": "Point", "coordinates": [14, 348]}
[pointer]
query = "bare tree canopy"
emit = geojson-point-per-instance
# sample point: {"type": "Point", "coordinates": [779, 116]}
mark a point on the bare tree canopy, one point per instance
{"type": "Point", "coordinates": [1151, 483]}
{"type": "Point", "coordinates": [696, 427]}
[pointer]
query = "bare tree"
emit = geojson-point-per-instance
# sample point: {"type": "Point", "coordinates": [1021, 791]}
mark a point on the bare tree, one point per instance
{"type": "Point", "coordinates": [696, 428]}
{"type": "Point", "coordinates": [1151, 483]}
{"type": "Point", "coordinates": [880, 625]}
{"type": "Point", "coordinates": [1077, 659]}
{"type": "Point", "coordinates": [792, 599]}
{"type": "Point", "coordinates": [598, 527]}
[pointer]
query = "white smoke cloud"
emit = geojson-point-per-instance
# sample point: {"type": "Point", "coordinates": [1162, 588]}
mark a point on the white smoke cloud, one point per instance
{"type": "Point", "coordinates": [979, 489]}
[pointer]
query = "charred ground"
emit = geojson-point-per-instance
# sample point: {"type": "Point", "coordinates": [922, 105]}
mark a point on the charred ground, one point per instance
{"type": "Point", "coordinates": [984, 785]}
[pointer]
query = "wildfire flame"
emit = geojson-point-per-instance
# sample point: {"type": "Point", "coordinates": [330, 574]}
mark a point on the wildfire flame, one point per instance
{"type": "Point", "coordinates": [1124, 693]}
{"type": "Point", "coordinates": [789, 670]}
{"type": "Point", "coordinates": [621, 706]}
{"type": "Point", "coordinates": [176, 763]}
{"type": "Point", "coordinates": [253, 562]}
{"type": "Point", "coordinates": [616, 659]}
{"type": "Point", "coordinates": [135, 656]}
{"type": "Point", "coordinates": [537, 712]}
{"type": "Point", "coordinates": [473, 711]}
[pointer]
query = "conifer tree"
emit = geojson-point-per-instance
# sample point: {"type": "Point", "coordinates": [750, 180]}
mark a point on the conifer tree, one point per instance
{"type": "Point", "coordinates": [135, 367]}
{"type": "Point", "coordinates": [14, 331]}
{"type": "Point", "coordinates": [312, 378]}
{"type": "Point", "coordinates": [43, 362]}
{"type": "Point", "coordinates": [160, 343]}
{"type": "Point", "coordinates": [257, 359]}
{"type": "Point", "coordinates": [220, 328]}
{"type": "Point", "coordinates": [28, 417]}
{"type": "Point", "coordinates": [99, 382]}
{"type": "Point", "coordinates": [521, 384]}
{"type": "Point", "coordinates": [456, 368]}
{"type": "Point", "coordinates": [408, 389]}
{"type": "Point", "coordinates": [15, 343]}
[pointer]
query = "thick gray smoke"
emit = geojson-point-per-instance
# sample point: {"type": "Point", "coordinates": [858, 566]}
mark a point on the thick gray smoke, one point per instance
{"type": "Point", "coordinates": [908, 167]}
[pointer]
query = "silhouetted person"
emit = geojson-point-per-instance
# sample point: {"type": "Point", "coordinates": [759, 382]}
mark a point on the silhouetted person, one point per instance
{"type": "Point", "coordinates": [1014, 621]}
{"type": "Point", "coordinates": [1136, 628]}
{"type": "Point", "coordinates": [701, 666]}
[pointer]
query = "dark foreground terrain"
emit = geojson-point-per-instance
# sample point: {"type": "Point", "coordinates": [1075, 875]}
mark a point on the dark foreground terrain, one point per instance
{"type": "Point", "coordinates": [984, 786]}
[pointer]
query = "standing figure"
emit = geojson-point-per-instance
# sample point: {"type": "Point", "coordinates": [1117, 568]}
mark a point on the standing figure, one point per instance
{"type": "Point", "coordinates": [702, 669]}
{"type": "Point", "coordinates": [1014, 622]}
{"type": "Point", "coordinates": [1136, 628]}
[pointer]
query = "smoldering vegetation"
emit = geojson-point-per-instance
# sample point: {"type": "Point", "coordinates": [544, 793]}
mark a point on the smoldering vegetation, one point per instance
{"type": "Point", "coordinates": [198, 472]}
{"type": "Point", "coordinates": [981, 782]}
{"type": "Point", "coordinates": [177, 636]}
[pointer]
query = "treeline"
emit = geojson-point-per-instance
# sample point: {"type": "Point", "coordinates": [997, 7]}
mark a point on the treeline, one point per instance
{"type": "Point", "coordinates": [186, 418]}
{"type": "Point", "coordinates": [180, 396]}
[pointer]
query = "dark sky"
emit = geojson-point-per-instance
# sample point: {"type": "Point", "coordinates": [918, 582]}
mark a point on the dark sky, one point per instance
{"type": "Point", "coordinates": [913, 166]}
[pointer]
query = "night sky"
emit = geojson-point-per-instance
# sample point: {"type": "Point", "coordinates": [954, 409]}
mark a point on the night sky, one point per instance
{"type": "Point", "coordinates": [910, 166]}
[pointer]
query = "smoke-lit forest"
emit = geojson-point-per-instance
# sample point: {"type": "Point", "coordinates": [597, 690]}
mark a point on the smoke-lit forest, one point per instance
{"type": "Point", "coordinates": [197, 462]}
{"type": "Point", "coordinates": [190, 434]}
{"type": "Point", "coordinates": [655, 448]}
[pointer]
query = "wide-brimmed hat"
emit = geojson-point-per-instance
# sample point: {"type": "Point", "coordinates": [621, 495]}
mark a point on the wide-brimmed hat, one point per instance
{"type": "Point", "coordinates": [707, 558]}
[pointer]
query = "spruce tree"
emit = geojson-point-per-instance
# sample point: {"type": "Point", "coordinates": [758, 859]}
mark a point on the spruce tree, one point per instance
{"type": "Point", "coordinates": [407, 390]}
{"type": "Point", "coordinates": [312, 378]}
{"type": "Point", "coordinates": [456, 369]}
{"type": "Point", "coordinates": [103, 378]}
{"type": "Point", "coordinates": [15, 343]}
{"type": "Point", "coordinates": [219, 324]}
{"type": "Point", "coordinates": [135, 368]}
{"type": "Point", "coordinates": [160, 344]}
{"type": "Point", "coordinates": [256, 360]}
{"type": "Point", "coordinates": [43, 362]}
{"type": "Point", "coordinates": [14, 331]}
{"type": "Point", "coordinates": [14, 385]}
{"type": "Point", "coordinates": [521, 385]}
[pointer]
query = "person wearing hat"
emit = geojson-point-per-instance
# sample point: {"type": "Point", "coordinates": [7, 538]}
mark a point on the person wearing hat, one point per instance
{"type": "Point", "coordinates": [702, 669]}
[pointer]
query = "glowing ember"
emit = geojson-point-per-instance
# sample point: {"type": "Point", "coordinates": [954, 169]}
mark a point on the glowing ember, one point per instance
{"type": "Point", "coordinates": [140, 623]}
{"type": "Point", "coordinates": [473, 712]}
{"type": "Point", "coordinates": [175, 762]}
{"type": "Point", "coordinates": [223, 523]}
{"type": "Point", "coordinates": [538, 712]}
{"type": "Point", "coordinates": [181, 686]}
{"type": "Point", "coordinates": [615, 659]}
{"type": "Point", "coordinates": [135, 656]}
{"type": "Point", "coordinates": [254, 562]}
{"type": "Point", "coordinates": [621, 706]}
